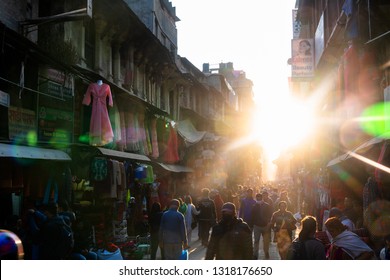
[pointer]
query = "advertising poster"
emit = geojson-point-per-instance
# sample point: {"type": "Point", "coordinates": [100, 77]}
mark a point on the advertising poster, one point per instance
{"type": "Point", "coordinates": [302, 60]}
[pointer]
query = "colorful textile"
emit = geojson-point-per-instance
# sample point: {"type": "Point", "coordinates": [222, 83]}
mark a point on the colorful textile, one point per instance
{"type": "Point", "coordinates": [131, 132]}
{"type": "Point", "coordinates": [153, 129]}
{"type": "Point", "coordinates": [351, 243]}
{"type": "Point", "coordinates": [172, 154]}
{"type": "Point", "coordinates": [116, 123]}
{"type": "Point", "coordinates": [100, 130]}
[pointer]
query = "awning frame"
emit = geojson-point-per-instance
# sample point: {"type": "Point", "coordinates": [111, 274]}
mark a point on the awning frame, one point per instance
{"type": "Point", "coordinates": [361, 149]}
{"type": "Point", "coordinates": [28, 152]}
{"type": "Point", "coordinates": [175, 168]}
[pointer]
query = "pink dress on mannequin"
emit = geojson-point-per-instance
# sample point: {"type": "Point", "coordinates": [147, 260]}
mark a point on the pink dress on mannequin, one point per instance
{"type": "Point", "coordinates": [100, 130]}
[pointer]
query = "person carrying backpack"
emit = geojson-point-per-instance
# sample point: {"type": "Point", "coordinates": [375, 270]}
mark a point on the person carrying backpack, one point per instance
{"type": "Point", "coordinates": [207, 216]}
{"type": "Point", "coordinates": [305, 246]}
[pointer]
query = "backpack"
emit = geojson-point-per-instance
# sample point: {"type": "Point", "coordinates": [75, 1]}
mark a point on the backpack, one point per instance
{"type": "Point", "coordinates": [206, 208]}
{"type": "Point", "coordinates": [297, 250]}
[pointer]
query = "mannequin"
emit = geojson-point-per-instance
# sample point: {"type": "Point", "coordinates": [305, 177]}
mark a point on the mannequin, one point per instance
{"type": "Point", "coordinates": [100, 130]}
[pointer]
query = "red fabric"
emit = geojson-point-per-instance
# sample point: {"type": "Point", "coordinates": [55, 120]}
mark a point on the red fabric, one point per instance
{"type": "Point", "coordinates": [172, 155]}
{"type": "Point", "coordinates": [369, 77]}
{"type": "Point", "coordinates": [378, 173]}
{"type": "Point", "coordinates": [100, 130]}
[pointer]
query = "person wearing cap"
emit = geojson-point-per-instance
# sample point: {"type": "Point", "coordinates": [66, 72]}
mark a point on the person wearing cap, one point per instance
{"type": "Point", "coordinates": [231, 237]}
{"type": "Point", "coordinates": [172, 232]}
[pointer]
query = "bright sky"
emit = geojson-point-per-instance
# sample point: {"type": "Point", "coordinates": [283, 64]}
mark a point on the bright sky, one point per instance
{"type": "Point", "coordinates": [253, 34]}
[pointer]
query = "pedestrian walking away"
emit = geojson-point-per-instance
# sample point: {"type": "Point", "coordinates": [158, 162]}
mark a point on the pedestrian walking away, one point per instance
{"type": "Point", "coordinates": [172, 233]}
{"type": "Point", "coordinates": [207, 216]}
{"type": "Point", "coordinates": [306, 246]}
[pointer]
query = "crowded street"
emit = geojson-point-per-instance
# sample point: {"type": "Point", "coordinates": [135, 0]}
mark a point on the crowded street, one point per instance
{"type": "Point", "coordinates": [199, 130]}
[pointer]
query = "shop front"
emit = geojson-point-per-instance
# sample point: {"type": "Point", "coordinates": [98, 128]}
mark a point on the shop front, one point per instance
{"type": "Point", "coordinates": [29, 178]}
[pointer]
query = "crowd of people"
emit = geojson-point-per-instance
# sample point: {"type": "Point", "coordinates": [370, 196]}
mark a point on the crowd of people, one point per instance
{"type": "Point", "coordinates": [230, 225]}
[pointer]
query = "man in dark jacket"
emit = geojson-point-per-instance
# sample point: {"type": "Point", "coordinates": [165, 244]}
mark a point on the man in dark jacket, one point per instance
{"type": "Point", "coordinates": [231, 238]}
{"type": "Point", "coordinates": [261, 217]}
{"type": "Point", "coordinates": [207, 216]}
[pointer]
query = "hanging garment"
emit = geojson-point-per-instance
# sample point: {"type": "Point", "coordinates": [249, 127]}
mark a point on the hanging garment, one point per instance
{"type": "Point", "coordinates": [100, 130]}
{"type": "Point", "coordinates": [371, 192]}
{"type": "Point", "coordinates": [51, 183]}
{"type": "Point", "coordinates": [149, 179]}
{"type": "Point", "coordinates": [99, 170]}
{"type": "Point", "coordinates": [155, 151]}
{"type": "Point", "coordinates": [148, 137]}
{"type": "Point", "coordinates": [116, 178]}
{"type": "Point", "coordinates": [122, 184]}
{"type": "Point", "coordinates": [142, 134]}
{"type": "Point", "coordinates": [116, 124]}
{"type": "Point", "coordinates": [369, 78]}
{"type": "Point", "coordinates": [172, 155]}
{"type": "Point", "coordinates": [350, 8]}
{"type": "Point", "coordinates": [122, 142]}
{"type": "Point", "coordinates": [131, 132]}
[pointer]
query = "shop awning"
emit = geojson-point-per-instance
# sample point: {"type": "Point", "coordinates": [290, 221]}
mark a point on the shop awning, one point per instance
{"type": "Point", "coordinates": [363, 148]}
{"type": "Point", "coordinates": [187, 130]}
{"type": "Point", "coordinates": [211, 137]}
{"type": "Point", "coordinates": [123, 155]}
{"type": "Point", "coordinates": [175, 168]}
{"type": "Point", "coordinates": [17, 151]}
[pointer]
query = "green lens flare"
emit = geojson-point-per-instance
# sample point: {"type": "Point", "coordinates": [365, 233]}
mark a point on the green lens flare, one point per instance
{"type": "Point", "coordinates": [32, 138]}
{"type": "Point", "coordinates": [375, 118]}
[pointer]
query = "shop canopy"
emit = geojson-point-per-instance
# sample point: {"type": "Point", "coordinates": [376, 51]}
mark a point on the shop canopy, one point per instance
{"type": "Point", "coordinates": [27, 152]}
{"type": "Point", "coordinates": [175, 168]}
{"type": "Point", "coordinates": [189, 133]}
{"type": "Point", "coordinates": [123, 155]}
{"type": "Point", "coordinates": [363, 148]}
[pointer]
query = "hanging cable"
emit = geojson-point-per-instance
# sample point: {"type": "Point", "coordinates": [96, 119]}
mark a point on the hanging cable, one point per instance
{"type": "Point", "coordinates": [30, 89]}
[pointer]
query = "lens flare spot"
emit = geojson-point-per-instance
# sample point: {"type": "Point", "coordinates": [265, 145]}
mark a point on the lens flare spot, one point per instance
{"type": "Point", "coordinates": [60, 137]}
{"type": "Point", "coordinates": [373, 119]}
{"type": "Point", "coordinates": [32, 138]}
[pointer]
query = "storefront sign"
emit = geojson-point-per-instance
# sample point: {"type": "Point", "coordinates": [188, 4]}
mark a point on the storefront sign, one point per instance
{"type": "Point", "coordinates": [55, 125]}
{"type": "Point", "coordinates": [21, 122]}
{"type": "Point", "coordinates": [55, 106]}
{"type": "Point", "coordinates": [4, 99]}
{"type": "Point", "coordinates": [302, 61]}
{"type": "Point", "coordinates": [55, 89]}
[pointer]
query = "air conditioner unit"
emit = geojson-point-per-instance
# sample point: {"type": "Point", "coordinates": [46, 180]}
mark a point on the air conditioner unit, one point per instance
{"type": "Point", "coordinates": [387, 108]}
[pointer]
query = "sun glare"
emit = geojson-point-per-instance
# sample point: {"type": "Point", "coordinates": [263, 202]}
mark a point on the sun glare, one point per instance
{"type": "Point", "coordinates": [283, 125]}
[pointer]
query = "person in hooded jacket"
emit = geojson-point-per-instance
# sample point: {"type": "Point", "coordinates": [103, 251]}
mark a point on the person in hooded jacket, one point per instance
{"type": "Point", "coordinates": [231, 237]}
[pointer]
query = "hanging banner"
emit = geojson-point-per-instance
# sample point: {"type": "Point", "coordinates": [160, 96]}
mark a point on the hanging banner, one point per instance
{"type": "Point", "coordinates": [296, 24]}
{"type": "Point", "coordinates": [302, 60]}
